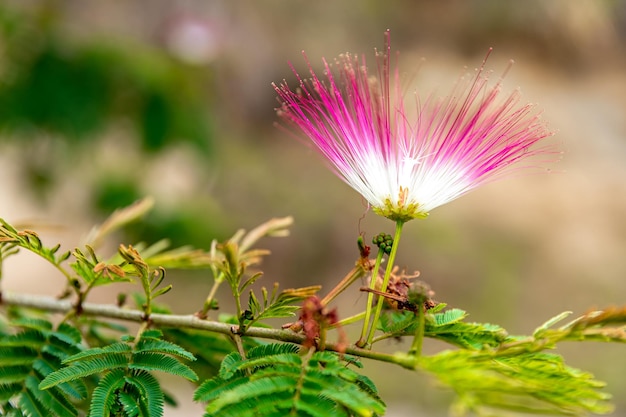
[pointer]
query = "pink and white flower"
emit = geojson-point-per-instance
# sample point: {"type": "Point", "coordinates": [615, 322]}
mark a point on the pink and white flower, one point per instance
{"type": "Point", "coordinates": [404, 164]}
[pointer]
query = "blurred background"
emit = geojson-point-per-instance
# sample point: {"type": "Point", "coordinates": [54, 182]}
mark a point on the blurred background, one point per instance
{"type": "Point", "coordinates": [102, 103]}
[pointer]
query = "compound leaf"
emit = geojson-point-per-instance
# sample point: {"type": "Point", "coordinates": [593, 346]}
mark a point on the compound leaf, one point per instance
{"type": "Point", "coordinates": [150, 393]}
{"type": "Point", "coordinates": [105, 394]}
{"type": "Point", "coordinates": [277, 381]}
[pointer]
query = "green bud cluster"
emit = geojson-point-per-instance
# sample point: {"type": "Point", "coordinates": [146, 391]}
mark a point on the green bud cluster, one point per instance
{"type": "Point", "coordinates": [384, 242]}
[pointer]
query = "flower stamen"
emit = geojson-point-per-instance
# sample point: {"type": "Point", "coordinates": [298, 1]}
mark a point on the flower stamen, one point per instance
{"type": "Point", "coordinates": [407, 166]}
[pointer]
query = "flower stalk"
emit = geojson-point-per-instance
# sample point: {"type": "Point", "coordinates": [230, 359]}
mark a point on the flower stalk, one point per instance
{"type": "Point", "coordinates": [390, 263]}
{"type": "Point", "coordinates": [370, 300]}
{"type": "Point", "coordinates": [418, 338]}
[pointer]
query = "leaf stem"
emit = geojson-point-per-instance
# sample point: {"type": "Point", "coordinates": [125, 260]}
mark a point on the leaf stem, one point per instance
{"type": "Point", "coordinates": [236, 338]}
{"type": "Point", "coordinates": [357, 272]}
{"type": "Point", "coordinates": [348, 320]}
{"type": "Point", "coordinates": [390, 263]}
{"type": "Point", "coordinates": [370, 300]}
{"type": "Point", "coordinates": [208, 303]}
{"type": "Point", "coordinates": [240, 317]}
{"type": "Point", "coordinates": [418, 339]}
{"type": "Point", "coordinates": [300, 383]}
{"type": "Point", "coordinates": [142, 328]}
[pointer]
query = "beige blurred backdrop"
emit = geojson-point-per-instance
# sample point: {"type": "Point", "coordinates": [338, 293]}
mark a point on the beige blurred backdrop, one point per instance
{"type": "Point", "coordinates": [514, 253]}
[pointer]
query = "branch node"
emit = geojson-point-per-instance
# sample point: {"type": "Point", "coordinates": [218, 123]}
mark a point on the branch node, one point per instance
{"type": "Point", "coordinates": [78, 308]}
{"type": "Point", "coordinates": [201, 315]}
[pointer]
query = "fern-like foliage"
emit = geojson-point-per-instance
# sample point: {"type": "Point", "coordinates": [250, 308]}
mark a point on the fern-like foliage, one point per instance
{"type": "Point", "coordinates": [8, 246]}
{"type": "Point", "coordinates": [209, 349]}
{"type": "Point", "coordinates": [28, 357]}
{"type": "Point", "coordinates": [515, 373]}
{"type": "Point", "coordinates": [278, 304]}
{"type": "Point", "coordinates": [538, 383]}
{"type": "Point", "coordinates": [29, 240]}
{"type": "Point", "coordinates": [184, 257]}
{"type": "Point", "coordinates": [607, 325]}
{"type": "Point", "coordinates": [11, 240]}
{"type": "Point", "coordinates": [150, 279]}
{"type": "Point", "coordinates": [494, 371]}
{"type": "Point", "coordinates": [448, 326]}
{"type": "Point", "coordinates": [231, 259]}
{"type": "Point", "coordinates": [94, 272]}
{"type": "Point", "coordinates": [127, 386]}
{"type": "Point", "coordinates": [274, 380]}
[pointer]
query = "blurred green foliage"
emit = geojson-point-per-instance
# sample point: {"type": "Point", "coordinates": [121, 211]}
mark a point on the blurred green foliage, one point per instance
{"type": "Point", "coordinates": [54, 85]}
{"type": "Point", "coordinates": [59, 96]}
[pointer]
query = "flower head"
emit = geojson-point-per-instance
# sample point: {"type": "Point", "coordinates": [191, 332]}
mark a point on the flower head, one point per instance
{"type": "Point", "coordinates": [405, 165]}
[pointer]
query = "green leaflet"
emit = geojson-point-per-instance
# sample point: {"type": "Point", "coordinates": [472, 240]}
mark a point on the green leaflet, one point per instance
{"type": "Point", "coordinates": [209, 349]}
{"type": "Point", "coordinates": [53, 400]}
{"type": "Point", "coordinates": [105, 394]}
{"type": "Point", "coordinates": [84, 368]}
{"type": "Point", "coordinates": [29, 356]}
{"type": "Point", "coordinates": [447, 326]}
{"type": "Point", "coordinates": [138, 394]}
{"type": "Point", "coordinates": [213, 388]}
{"type": "Point", "coordinates": [127, 386]}
{"type": "Point", "coordinates": [254, 389]}
{"type": "Point", "coordinates": [448, 317]}
{"type": "Point", "coordinates": [95, 353]}
{"type": "Point", "coordinates": [94, 272]}
{"type": "Point", "coordinates": [31, 404]}
{"type": "Point", "coordinates": [131, 407]}
{"type": "Point", "coordinates": [148, 388]}
{"type": "Point", "coordinates": [532, 383]}
{"type": "Point", "coordinates": [150, 344]}
{"type": "Point", "coordinates": [259, 357]}
{"type": "Point", "coordinates": [278, 304]}
{"type": "Point", "coordinates": [161, 362]}
{"type": "Point", "coordinates": [11, 239]}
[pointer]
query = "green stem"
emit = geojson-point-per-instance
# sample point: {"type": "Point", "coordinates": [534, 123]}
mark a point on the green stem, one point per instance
{"type": "Point", "coordinates": [384, 336]}
{"type": "Point", "coordinates": [300, 384]}
{"type": "Point", "coordinates": [204, 313]}
{"type": "Point", "coordinates": [322, 339]}
{"type": "Point", "coordinates": [357, 272]}
{"type": "Point", "coordinates": [348, 320]}
{"type": "Point", "coordinates": [418, 339]}
{"type": "Point", "coordinates": [236, 337]}
{"type": "Point", "coordinates": [237, 296]}
{"type": "Point", "coordinates": [370, 299]}
{"type": "Point", "coordinates": [392, 257]}
{"type": "Point", "coordinates": [142, 328]}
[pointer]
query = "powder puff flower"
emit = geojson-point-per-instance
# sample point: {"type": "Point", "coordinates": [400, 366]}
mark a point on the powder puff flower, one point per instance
{"type": "Point", "coordinates": [405, 164]}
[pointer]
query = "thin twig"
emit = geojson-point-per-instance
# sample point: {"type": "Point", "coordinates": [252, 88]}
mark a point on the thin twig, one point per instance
{"type": "Point", "coordinates": [187, 321]}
